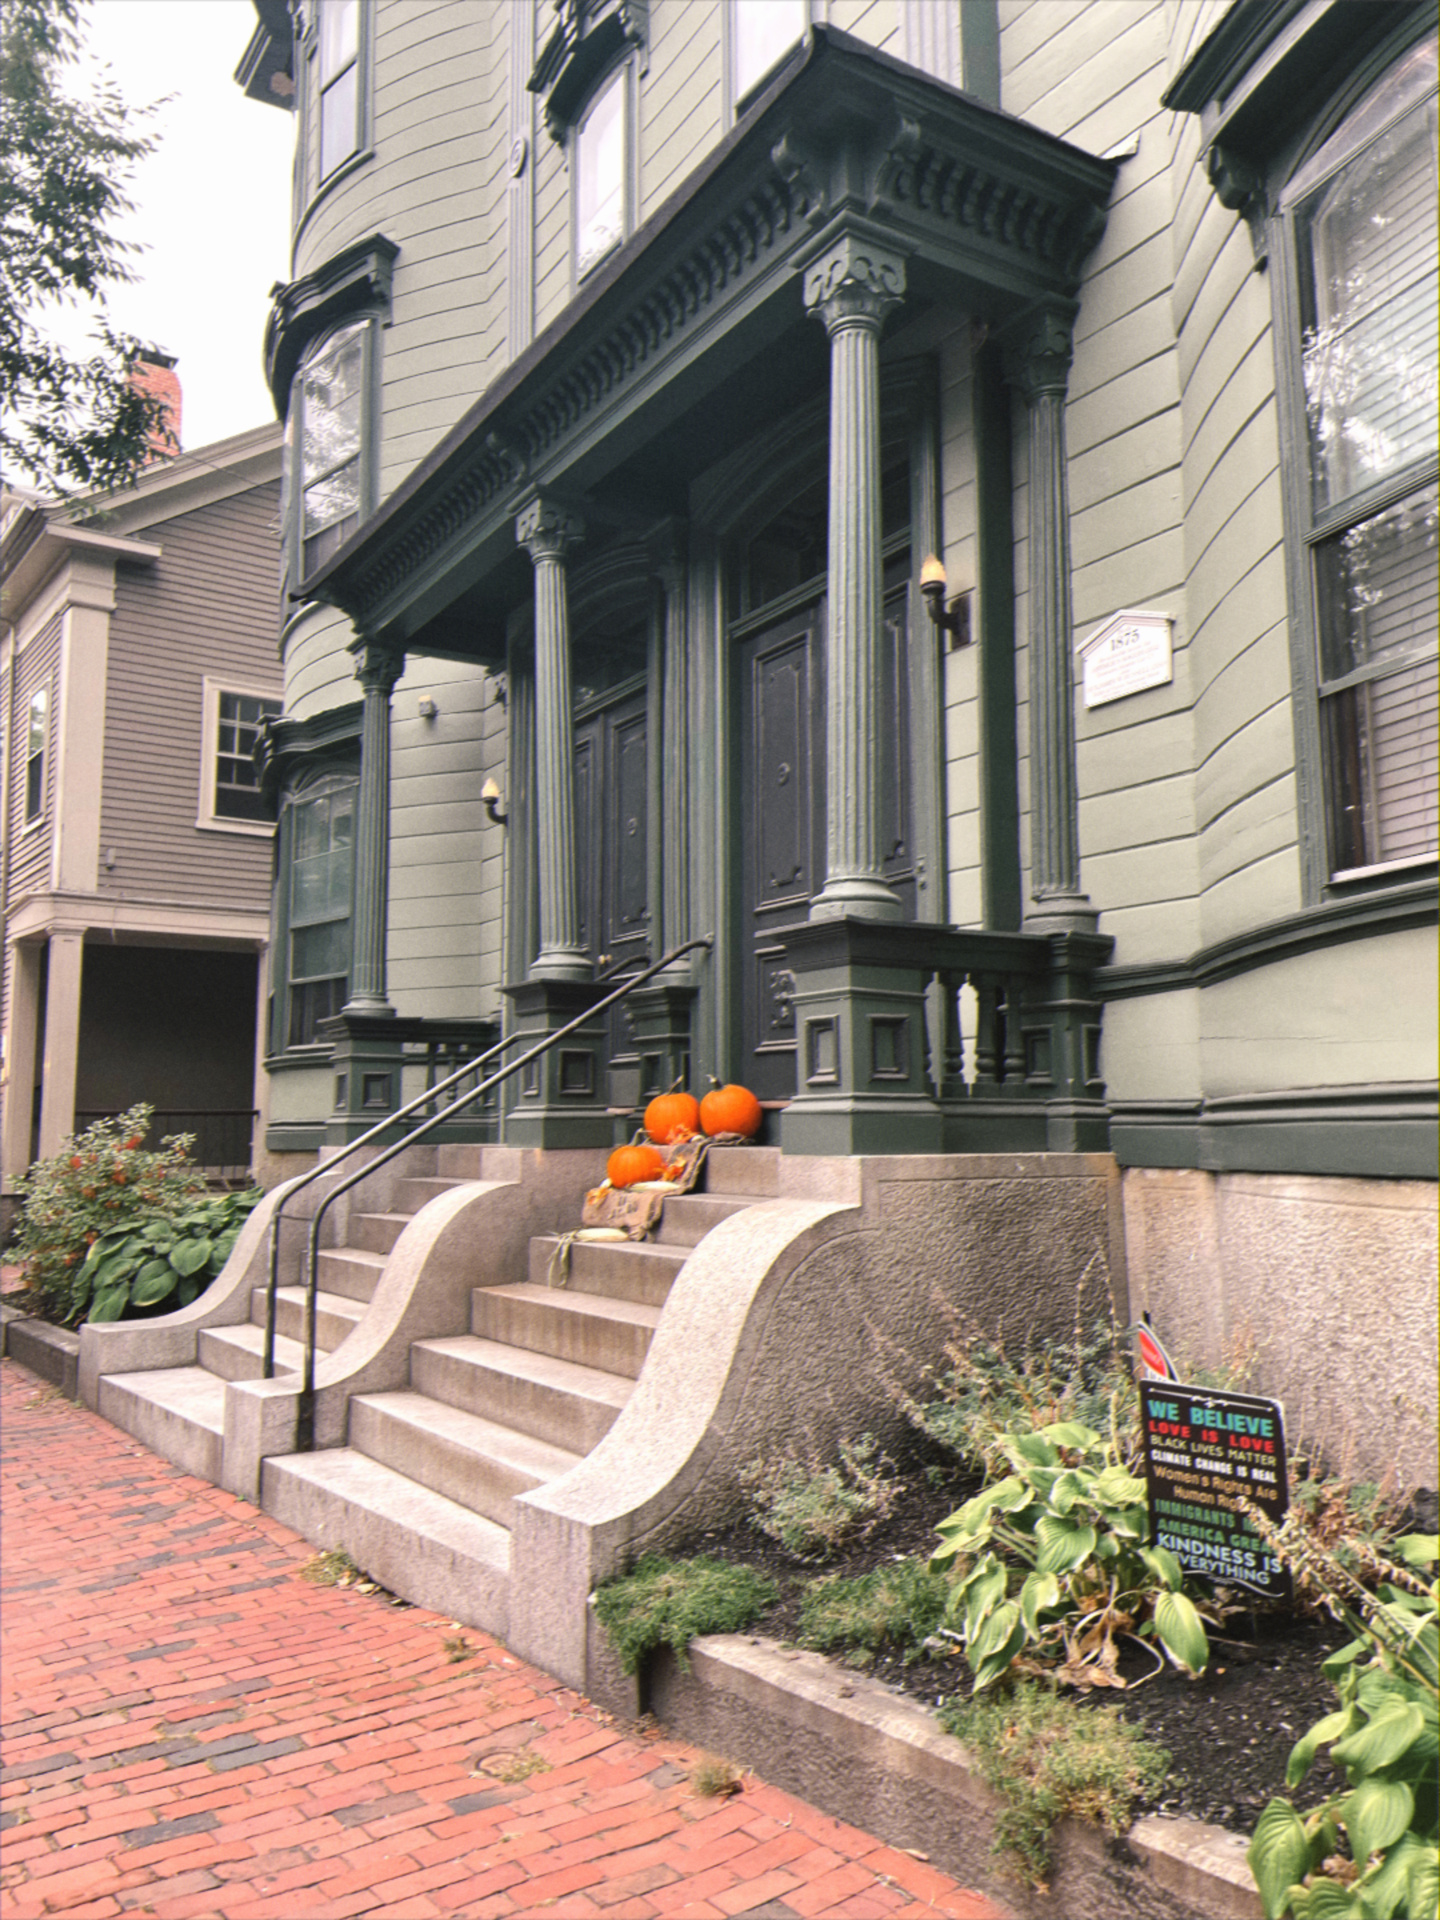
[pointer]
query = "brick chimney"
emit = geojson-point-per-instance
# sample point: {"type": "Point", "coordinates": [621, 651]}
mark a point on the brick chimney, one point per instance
{"type": "Point", "coordinates": [154, 373]}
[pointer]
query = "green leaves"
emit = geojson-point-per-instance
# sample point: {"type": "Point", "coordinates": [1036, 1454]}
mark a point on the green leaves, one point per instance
{"type": "Point", "coordinates": [1279, 1855]}
{"type": "Point", "coordinates": [1181, 1632]}
{"type": "Point", "coordinates": [142, 1267]}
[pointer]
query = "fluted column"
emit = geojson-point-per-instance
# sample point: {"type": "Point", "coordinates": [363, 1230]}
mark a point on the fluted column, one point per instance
{"type": "Point", "coordinates": [547, 532]}
{"type": "Point", "coordinates": [672, 748]}
{"type": "Point", "coordinates": [851, 286]}
{"type": "Point", "coordinates": [1038, 350]}
{"type": "Point", "coordinates": [377, 668]}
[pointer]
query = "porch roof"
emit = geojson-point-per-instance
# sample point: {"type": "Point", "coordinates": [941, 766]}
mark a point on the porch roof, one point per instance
{"type": "Point", "coordinates": [693, 333]}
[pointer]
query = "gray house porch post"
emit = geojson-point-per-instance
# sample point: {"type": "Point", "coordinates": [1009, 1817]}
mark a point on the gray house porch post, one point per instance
{"type": "Point", "coordinates": [860, 1018]}
{"type": "Point", "coordinates": [560, 1099]}
{"type": "Point", "coordinates": [367, 1053]}
{"type": "Point", "coordinates": [1038, 352]}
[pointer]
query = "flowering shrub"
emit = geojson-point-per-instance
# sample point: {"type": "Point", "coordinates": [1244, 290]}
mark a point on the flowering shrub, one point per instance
{"type": "Point", "coordinates": [101, 1179]}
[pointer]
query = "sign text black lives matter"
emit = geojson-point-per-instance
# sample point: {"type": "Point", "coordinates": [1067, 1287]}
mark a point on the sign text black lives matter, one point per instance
{"type": "Point", "coordinates": [1205, 1451]}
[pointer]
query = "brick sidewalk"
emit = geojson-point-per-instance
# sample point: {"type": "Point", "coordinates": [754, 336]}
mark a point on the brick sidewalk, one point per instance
{"type": "Point", "coordinates": [193, 1730]}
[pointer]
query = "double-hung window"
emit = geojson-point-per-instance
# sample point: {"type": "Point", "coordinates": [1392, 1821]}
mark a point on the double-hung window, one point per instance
{"type": "Point", "coordinates": [601, 173]}
{"type": "Point", "coordinates": [230, 796]}
{"type": "Point", "coordinates": [1359, 225]}
{"type": "Point", "coordinates": [761, 33]}
{"type": "Point", "coordinates": [321, 888]}
{"type": "Point", "coordinates": [338, 98]}
{"type": "Point", "coordinates": [327, 453]}
{"type": "Point", "coordinates": [37, 740]}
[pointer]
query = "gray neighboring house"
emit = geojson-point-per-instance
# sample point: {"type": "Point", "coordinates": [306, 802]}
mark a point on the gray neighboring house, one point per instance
{"type": "Point", "coordinates": [138, 656]}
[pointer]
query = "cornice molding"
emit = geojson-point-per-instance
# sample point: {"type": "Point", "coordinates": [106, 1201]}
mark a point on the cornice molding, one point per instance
{"type": "Point", "coordinates": [1004, 211]}
{"type": "Point", "coordinates": [353, 282]}
{"type": "Point", "coordinates": [1397, 908]}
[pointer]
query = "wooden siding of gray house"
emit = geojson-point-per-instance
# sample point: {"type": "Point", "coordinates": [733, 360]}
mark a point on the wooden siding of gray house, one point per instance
{"type": "Point", "coordinates": [206, 608]}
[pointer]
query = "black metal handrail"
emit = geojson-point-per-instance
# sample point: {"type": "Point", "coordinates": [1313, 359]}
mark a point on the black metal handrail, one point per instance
{"type": "Point", "coordinates": [425, 1099]}
{"type": "Point", "coordinates": [305, 1424]}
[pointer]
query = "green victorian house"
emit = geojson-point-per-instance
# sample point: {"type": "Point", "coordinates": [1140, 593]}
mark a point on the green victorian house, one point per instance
{"type": "Point", "coordinates": [906, 530]}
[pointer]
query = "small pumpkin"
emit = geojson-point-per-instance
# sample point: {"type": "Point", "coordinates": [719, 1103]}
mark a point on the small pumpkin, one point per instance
{"type": "Point", "coordinates": [671, 1117]}
{"type": "Point", "coordinates": [730, 1109]}
{"type": "Point", "coordinates": [627, 1165]}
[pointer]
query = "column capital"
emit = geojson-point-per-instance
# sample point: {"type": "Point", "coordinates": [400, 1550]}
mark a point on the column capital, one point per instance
{"type": "Point", "coordinates": [547, 529]}
{"type": "Point", "coordinates": [1039, 346]}
{"type": "Point", "coordinates": [855, 279]}
{"type": "Point", "coordinates": [377, 666]}
{"type": "Point", "coordinates": [665, 549]}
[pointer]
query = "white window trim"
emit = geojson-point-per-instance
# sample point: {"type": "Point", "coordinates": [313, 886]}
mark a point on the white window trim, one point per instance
{"type": "Point", "coordinates": [35, 822]}
{"type": "Point", "coordinates": [206, 818]}
{"type": "Point", "coordinates": [628, 73]}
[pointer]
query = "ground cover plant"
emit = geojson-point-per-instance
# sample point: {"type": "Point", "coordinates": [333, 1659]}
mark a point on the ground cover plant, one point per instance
{"type": "Point", "coordinates": [669, 1603]}
{"type": "Point", "coordinates": [109, 1227]}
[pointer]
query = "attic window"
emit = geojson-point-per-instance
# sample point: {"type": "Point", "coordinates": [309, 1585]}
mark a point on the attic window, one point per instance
{"type": "Point", "coordinates": [589, 37]}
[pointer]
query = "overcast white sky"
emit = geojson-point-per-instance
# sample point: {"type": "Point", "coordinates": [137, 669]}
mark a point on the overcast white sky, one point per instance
{"type": "Point", "coordinates": [212, 203]}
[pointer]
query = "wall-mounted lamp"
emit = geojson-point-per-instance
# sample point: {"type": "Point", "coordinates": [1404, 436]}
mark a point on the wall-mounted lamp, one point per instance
{"type": "Point", "coordinates": [490, 800]}
{"type": "Point", "coordinates": [426, 708]}
{"type": "Point", "coordinates": [954, 619]}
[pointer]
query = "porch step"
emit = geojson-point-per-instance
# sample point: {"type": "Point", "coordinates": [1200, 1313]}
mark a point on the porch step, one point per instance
{"type": "Point", "coordinates": [688, 1217]}
{"type": "Point", "coordinates": [335, 1316]}
{"type": "Point", "coordinates": [238, 1353]}
{"type": "Point", "coordinates": [753, 1171]}
{"type": "Point", "coordinates": [434, 1551]}
{"type": "Point", "coordinates": [628, 1270]}
{"type": "Point", "coordinates": [350, 1271]}
{"type": "Point", "coordinates": [473, 1461]}
{"type": "Point", "coordinates": [377, 1232]}
{"type": "Point", "coordinates": [178, 1412]}
{"type": "Point", "coordinates": [411, 1194]}
{"type": "Point", "coordinates": [559, 1401]}
{"type": "Point", "coordinates": [590, 1328]}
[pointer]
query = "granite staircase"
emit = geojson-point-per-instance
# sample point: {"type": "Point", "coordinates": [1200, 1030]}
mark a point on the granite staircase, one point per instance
{"type": "Point", "coordinates": [422, 1493]}
{"type": "Point", "coordinates": [180, 1411]}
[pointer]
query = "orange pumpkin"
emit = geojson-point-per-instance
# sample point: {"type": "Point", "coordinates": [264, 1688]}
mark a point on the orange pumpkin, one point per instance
{"type": "Point", "coordinates": [731, 1110]}
{"type": "Point", "coordinates": [671, 1117]}
{"type": "Point", "coordinates": [626, 1165]}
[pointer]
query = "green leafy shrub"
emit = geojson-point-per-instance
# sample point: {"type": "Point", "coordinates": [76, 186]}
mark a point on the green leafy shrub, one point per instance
{"type": "Point", "coordinates": [1050, 1759]}
{"type": "Point", "coordinates": [810, 1508]}
{"type": "Point", "coordinates": [899, 1605]}
{"type": "Point", "coordinates": [101, 1179]}
{"type": "Point", "coordinates": [167, 1261]}
{"type": "Point", "coordinates": [1386, 1736]}
{"type": "Point", "coordinates": [669, 1603]}
{"type": "Point", "coordinates": [1072, 1513]}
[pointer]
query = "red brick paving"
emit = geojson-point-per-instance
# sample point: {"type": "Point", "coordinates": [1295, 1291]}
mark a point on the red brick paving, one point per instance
{"type": "Point", "coordinates": [192, 1732]}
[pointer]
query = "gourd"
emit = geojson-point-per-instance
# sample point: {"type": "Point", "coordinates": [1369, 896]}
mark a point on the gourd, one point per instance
{"type": "Point", "coordinates": [671, 1117]}
{"type": "Point", "coordinates": [731, 1109]}
{"type": "Point", "coordinates": [627, 1165]}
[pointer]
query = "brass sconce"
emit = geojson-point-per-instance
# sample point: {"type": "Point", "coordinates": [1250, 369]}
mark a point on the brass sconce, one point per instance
{"type": "Point", "coordinates": [954, 619]}
{"type": "Point", "coordinates": [490, 800]}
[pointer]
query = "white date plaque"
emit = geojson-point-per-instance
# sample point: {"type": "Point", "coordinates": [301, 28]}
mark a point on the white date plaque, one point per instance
{"type": "Point", "coordinates": [1131, 652]}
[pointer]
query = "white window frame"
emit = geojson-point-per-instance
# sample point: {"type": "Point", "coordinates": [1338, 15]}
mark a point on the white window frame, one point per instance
{"type": "Point", "coordinates": [741, 86]}
{"type": "Point", "coordinates": [622, 80]}
{"type": "Point", "coordinates": [39, 699]}
{"type": "Point", "coordinates": [366, 327]}
{"type": "Point", "coordinates": [207, 819]}
{"type": "Point", "coordinates": [326, 82]}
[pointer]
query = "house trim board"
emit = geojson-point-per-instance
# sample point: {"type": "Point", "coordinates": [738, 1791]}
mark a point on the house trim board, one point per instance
{"type": "Point", "coordinates": [1365, 1132]}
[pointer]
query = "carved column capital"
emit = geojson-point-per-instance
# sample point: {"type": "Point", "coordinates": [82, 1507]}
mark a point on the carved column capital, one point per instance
{"type": "Point", "coordinates": [1039, 346]}
{"type": "Point", "coordinates": [547, 529]}
{"type": "Point", "coordinates": [854, 281]}
{"type": "Point", "coordinates": [377, 666]}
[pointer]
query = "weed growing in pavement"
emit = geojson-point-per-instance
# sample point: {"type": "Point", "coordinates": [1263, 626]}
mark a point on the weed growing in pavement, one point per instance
{"type": "Point", "coordinates": [335, 1568]}
{"type": "Point", "coordinates": [810, 1508]}
{"type": "Point", "coordinates": [512, 1768]}
{"type": "Point", "coordinates": [901, 1606]}
{"type": "Point", "coordinates": [1048, 1759]}
{"type": "Point", "coordinates": [669, 1603]}
{"type": "Point", "coordinates": [714, 1779]}
{"type": "Point", "coordinates": [458, 1648]}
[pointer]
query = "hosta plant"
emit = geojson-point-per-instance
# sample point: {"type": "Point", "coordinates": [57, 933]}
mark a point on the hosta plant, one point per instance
{"type": "Point", "coordinates": [1050, 1565]}
{"type": "Point", "coordinates": [1371, 1852]}
{"type": "Point", "coordinates": [164, 1262]}
{"type": "Point", "coordinates": [101, 1180]}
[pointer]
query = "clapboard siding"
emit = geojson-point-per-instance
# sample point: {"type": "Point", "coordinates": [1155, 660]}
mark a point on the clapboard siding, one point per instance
{"type": "Point", "coordinates": [30, 846]}
{"type": "Point", "coordinates": [206, 607]}
{"type": "Point", "coordinates": [876, 21]}
{"type": "Point", "coordinates": [962, 718]}
{"type": "Point", "coordinates": [681, 109]}
{"type": "Point", "coordinates": [1043, 51]}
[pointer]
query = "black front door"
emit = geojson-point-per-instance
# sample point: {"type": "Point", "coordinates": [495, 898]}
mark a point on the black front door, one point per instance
{"type": "Point", "coordinates": [612, 841]}
{"type": "Point", "coordinates": [780, 800]}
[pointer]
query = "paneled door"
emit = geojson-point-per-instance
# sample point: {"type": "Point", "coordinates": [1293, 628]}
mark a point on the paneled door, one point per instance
{"type": "Point", "coordinates": [780, 811]}
{"type": "Point", "coordinates": [612, 841]}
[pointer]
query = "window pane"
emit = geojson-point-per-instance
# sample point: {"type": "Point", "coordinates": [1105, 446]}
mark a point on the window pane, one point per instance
{"type": "Point", "coordinates": [1370, 343]}
{"type": "Point", "coordinates": [336, 497]}
{"type": "Point", "coordinates": [339, 120]}
{"type": "Point", "coordinates": [1376, 586]}
{"type": "Point", "coordinates": [317, 951]}
{"type": "Point", "coordinates": [39, 707]}
{"type": "Point", "coordinates": [339, 22]}
{"type": "Point", "coordinates": [312, 828]}
{"type": "Point", "coordinates": [764, 30]}
{"type": "Point", "coordinates": [600, 177]}
{"type": "Point", "coordinates": [330, 396]}
{"type": "Point", "coordinates": [1380, 742]}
